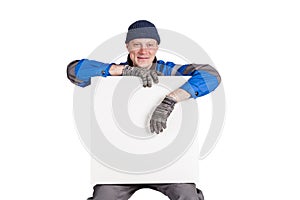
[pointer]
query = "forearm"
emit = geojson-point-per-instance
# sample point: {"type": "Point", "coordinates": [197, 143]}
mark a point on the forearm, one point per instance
{"type": "Point", "coordinates": [179, 95]}
{"type": "Point", "coordinates": [81, 71]}
{"type": "Point", "coordinates": [116, 70]}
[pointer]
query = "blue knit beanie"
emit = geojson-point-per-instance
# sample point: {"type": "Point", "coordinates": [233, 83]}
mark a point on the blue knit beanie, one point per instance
{"type": "Point", "coordinates": [142, 29]}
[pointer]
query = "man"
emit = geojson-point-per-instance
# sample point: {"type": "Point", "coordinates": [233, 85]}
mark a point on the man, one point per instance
{"type": "Point", "coordinates": [142, 42]}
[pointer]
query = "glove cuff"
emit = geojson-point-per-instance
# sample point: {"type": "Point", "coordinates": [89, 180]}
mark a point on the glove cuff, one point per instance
{"type": "Point", "coordinates": [169, 100]}
{"type": "Point", "coordinates": [126, 69]}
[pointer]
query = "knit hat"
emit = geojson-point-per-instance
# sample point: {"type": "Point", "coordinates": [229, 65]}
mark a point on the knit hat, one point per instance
{"type": "Point", "coordinates": [142, 29]}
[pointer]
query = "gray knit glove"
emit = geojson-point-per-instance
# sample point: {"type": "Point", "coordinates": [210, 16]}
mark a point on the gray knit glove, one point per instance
{"type": "Point", "coordinates": [158, 121]}
{"type": "Point", "coordinates": [146, 75]}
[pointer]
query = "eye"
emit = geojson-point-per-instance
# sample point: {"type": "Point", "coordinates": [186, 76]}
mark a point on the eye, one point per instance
{"type": "Point", "coordinates": [151, 45]}
{"type": "Point", "coordinates": [136, 44]}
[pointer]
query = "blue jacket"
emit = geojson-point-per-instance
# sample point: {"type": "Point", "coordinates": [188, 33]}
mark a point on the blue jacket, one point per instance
{"type": "Point", "coordinates": [204, 78]}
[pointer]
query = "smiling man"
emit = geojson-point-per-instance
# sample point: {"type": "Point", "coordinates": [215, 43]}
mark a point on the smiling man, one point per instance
{"type": "Point", "coordinates": [142, 51]}
{"type": "Point", "coordinates": [142, 42]}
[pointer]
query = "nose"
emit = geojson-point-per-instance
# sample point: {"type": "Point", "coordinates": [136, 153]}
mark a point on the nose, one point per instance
{"type": "Point", "coordinates": [143, 49]}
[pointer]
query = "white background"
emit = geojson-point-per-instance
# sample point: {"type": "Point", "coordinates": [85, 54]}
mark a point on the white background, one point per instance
{"type": "Point", "coordinates": [254, 45]}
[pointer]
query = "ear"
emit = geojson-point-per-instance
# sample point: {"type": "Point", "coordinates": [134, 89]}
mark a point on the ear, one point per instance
{"type": "Point", "coordinates": [127, 46]}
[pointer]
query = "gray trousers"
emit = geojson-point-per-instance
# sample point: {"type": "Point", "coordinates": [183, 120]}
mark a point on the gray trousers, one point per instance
{"type": "Point", "coordinates": [175, 191]}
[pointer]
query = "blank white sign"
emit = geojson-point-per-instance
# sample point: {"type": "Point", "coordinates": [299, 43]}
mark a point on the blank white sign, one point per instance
{"type": "Point", "coordinates": [123, 148]}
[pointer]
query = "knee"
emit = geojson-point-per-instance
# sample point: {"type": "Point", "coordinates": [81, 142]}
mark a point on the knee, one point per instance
{"type": "Point", "coordinates": [185, 192]}
{"type": "Point", "coordinates": [200, 194]}
{"type": "Point", "coordinates": [184, 195]}
{"type": "Point", "coordinates": [107, 192]}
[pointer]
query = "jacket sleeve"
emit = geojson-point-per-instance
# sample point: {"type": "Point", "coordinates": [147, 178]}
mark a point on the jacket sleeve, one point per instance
{"type": "Point", "coordinates": [204, 80]}
{"type": "Point", "coordinates": [80, 72]}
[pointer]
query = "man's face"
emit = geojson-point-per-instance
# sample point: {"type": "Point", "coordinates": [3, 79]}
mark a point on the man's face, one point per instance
{"type": "Point", "coordinates": [142, 51]}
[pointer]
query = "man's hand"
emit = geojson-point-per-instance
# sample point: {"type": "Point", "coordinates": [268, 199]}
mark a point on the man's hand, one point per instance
{"type": "Point", "coordinates": [160, 115]}
{"type": "Point", "coordinates": [146, 75]}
